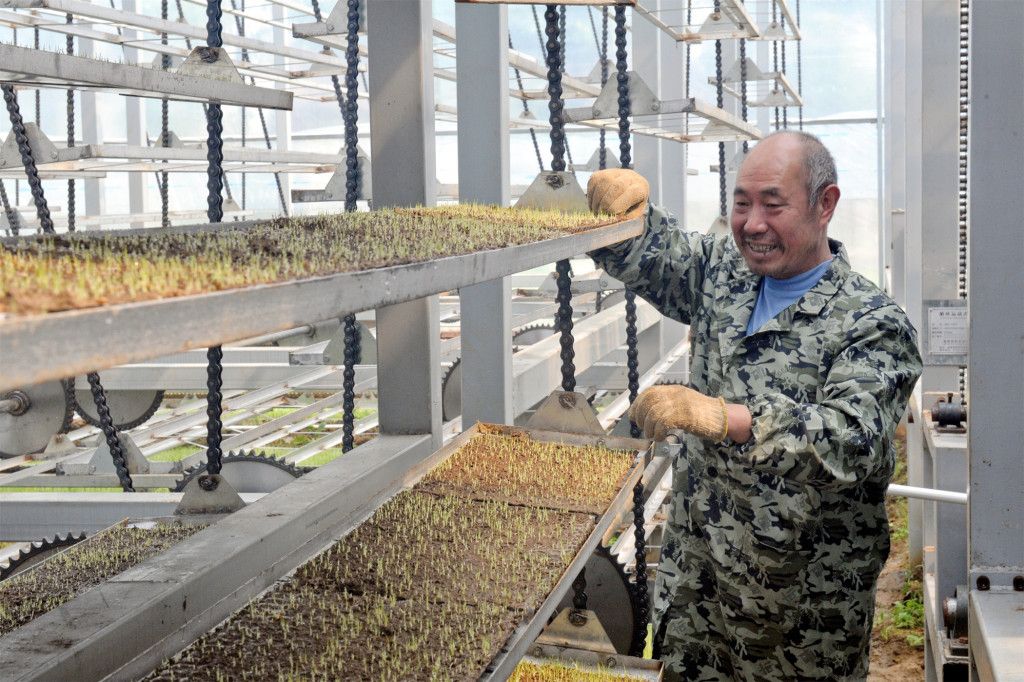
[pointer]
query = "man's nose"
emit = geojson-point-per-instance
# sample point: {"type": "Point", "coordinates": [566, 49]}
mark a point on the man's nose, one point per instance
{"type": "Point", "coordinates": [755, 222]}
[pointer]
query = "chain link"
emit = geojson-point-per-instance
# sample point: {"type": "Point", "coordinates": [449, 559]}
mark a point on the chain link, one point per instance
{"type": "Point", "coordinates": [21, 137]}
{"type": "Point", "coordinates": [799, 72]}
{"type": "Point", "coordinates": [743, 87]}
{"type": "Point", "coordinates": [640, 573]}
{"type": "Point", "coordinates": [785, 109]}
{"type": "Point", "coordinates": [723, 201]}
{"type": "Point", "coordinates": [70, 45]}
{"type": "Point", "coordinates": [165, 130]}
{"type": "Point", "coordinates": [579, 599]}
{"type": "Point", "coordinates": [12, 216]}
{"type": "Point", "coordinates": [775, 55]}
{"type": "Point", "coordinates": [214, 408]}
{"type": "Point", "coordinates": [602, 155]}
{"type": "Point", "coordinates": [214, 126]}
{"type": "Point", "coordinates": [564, 323]}
{"type": "Point", "coordinates": [99, 397]}
{"type": "Point", "coordinates": [553, 59]}
{"type": "Point", "coordinates": [350, 115]}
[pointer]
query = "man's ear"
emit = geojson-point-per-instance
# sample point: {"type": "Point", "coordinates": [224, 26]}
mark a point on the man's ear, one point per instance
{"type": "Point", "coordinates": [827, 203]}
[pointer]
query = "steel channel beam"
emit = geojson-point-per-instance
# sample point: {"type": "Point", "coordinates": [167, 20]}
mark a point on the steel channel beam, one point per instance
{"type": "Point", "coordinates": [31, 516]}
{"type": "Point", "coordinates": [37, 348]}
{"type": "Point", "coordinates": [60, 70]}
{"type": "Point", "coordinates": [483, 119]}
{"type": "Point", "coordinates": [129, 624]}
{"type": "Point", "coordinates": [156, 25]}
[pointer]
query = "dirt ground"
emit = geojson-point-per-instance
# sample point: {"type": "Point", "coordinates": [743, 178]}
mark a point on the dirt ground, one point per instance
{"type": "Point", "coordinates": [893, 659]}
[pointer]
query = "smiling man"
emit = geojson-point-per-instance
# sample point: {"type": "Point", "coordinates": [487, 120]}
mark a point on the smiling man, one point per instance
{"type": "Point", "coordinates": [800, 370]}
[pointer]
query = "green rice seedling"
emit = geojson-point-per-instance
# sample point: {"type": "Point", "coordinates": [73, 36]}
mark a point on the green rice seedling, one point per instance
{"type": "Point", "coordinates": [81, 271]}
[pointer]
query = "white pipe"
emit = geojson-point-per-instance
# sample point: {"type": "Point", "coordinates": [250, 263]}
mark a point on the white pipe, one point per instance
{"type": "Point", "coordinates": [896, 490]}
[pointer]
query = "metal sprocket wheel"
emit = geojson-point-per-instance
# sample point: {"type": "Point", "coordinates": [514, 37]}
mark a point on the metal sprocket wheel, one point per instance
{"type": "Point", "coordinates": [249, 472]}
{"type": "Point", "coordinates": [36, 553]}
{"type": "Point", "coordinates": [49, 412]}
{"type": "Point", "coordinates": [611, 596]}
{"type": "Point", "coordinates": [451, 383]}
{"type": "Point", "coordinates": [128, 408]}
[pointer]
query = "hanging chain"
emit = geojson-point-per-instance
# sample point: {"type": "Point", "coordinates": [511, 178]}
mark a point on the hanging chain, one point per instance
{"type": "Point", "coordinates": [561, 68]}
{"type": "Point", "coordinates": [350, 114]}
{"type": "Point", "coordinates": [165, 130]}
{"type": "Point", "coordinates": [214, 126]}
{"type": "Point", "coordinates": [775, 55]}
{"type": "Point", "coordinates": [39, 114]}
{"type": "Point", "coordinates": [554, 63]}
{"type": "Point", "coordinates": [602, 155]}
{"type": "Point", "coordinates": [723, 202]}
{"type": "Point", "coordinates": [962, 205]}
{"type": "Point", "coordinates": [12, 215]}
{"type": "Point", "coordinates": [99, 396]}
{"type": "Point", "coordinates": [214, 183]}
{"type": "Point", "coordinates": [632, 352]}
{"type": "Point", "coordinates": [526, 108]}
{"type": "Point", "coordinates": [799, 71]}
{"type": "Point", "coordinates": [214, 408]}
{"type": "Point", "coordinates": [686, 80]}
{"type": "Point", "coordinates": [564, 323]}
{"type": "Point", "coordinates": [579, 599]}
{"type": "Point", "coordinates": [21, 137]}
{"type": "Point", "coordinates": [743, 87]}
{"type": "Point", "coordinates": [70, 44]}
{"type": "Point", "coordinates": [782, 65]}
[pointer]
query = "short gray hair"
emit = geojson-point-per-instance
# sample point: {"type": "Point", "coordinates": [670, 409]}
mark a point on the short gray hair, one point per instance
{"type": "Point", "coordinates": [818, 162]}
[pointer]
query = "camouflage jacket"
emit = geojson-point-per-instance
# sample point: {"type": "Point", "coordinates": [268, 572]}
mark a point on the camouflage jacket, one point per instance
{"type": "Point", "coordinates": [773, 547]}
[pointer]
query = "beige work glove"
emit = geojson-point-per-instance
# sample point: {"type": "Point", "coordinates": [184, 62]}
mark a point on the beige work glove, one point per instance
{"type": "Point", "coordinates": [661, 409]}
{"type": "Point", "coordinates": [618, 191]}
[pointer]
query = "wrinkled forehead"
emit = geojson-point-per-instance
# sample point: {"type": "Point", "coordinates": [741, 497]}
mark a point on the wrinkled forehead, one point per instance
{"type": "Point", "coordinates": [773, 170]}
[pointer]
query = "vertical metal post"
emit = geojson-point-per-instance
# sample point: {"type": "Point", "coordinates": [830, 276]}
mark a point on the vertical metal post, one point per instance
{"type": "Point", "coordinates": [483, 106]}
{"type": "Point", "coordinates": [673, 154]}
{"type": "Point", "coordinates": [404, 174]}
{"type": "Point", "coordinates": [282, 118]}
{"type": "Point", "coordinates": [134, 126]}
{"type": "Point", "coordinates": [996, 364]}
{"type": "Point", "coordinates": [646, 61]}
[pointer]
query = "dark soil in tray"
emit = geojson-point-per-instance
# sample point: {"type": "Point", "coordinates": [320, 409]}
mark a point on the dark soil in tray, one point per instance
{"type": "Point", "coordinates": [64, 576]}
{"type": "Point", "coordinates": [517, 469]}
{"type": "Point", "coordinates": [429, 588]}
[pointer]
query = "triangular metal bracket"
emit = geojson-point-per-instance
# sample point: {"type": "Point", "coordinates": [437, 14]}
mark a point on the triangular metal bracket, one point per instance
{"type": "Point", "coordinates": [594, 162]}
{"type": "Point", "coordinates": [566, 412]}
{"type": "Point", "coordinates": [554, 190]}
{"type": "Point", "coordinates": [43, 150]}
{"type": "Point", "coordinates": [209, 494]}
{"type": "Point", "coordinates": [101, 462]}
{"type": "Point", "coordinates": [213, 63]}
{"type": "Point", "coordinates": [718, 25]}
{"type": "Point", "coordinates": [642, 100]}
{"type": "Point", "coordinates": [335, 189]}
{"type": "Point", "coordinates": [777, 97]}
{"type": "Point", "coordinates": [589, 634]}
{"type": "Point", "coordinates": [173, 142]}
{"type": "Point", "coordinates": [334, 352]}
{"type": "Point", "coordinates": [733, 74]}
{"type": "Point", "coordinates": [595, 73]}
{"type": "Point", "coordinates": [774, 31]}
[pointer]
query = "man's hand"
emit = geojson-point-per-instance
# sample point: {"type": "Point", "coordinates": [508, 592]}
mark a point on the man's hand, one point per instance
{"type": "Point", "coordinates": [661, 409]}
{"type": "Point", "coordinates": [617, 191]}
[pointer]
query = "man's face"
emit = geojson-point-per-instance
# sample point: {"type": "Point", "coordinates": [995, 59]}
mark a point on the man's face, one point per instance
{"type": "Point", "coordinates": [776, 231]}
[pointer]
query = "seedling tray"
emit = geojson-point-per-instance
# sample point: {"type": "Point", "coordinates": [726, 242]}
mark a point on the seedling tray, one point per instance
{"type": "Point", "coordinates": [68, 573]}
{"type": "Point", "coordinates": [376, 610]}
{"type": "Point", "coordinates": [39, 346]}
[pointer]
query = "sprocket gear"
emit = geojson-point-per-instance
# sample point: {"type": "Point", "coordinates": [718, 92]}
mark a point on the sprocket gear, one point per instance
{"type": "Point", "coordinates": [451, 390]}
{"type": "Point", "coordinates": [129, 408]}
{"type": "Point", "coordinates": [37, 552]}
{"type": "Point", "coordinates": [264, 474]}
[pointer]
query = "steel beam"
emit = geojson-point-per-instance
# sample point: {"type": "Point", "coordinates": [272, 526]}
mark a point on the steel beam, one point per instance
{"type": "Point", "coordinates": [996, 362]}
{"type": "Point", "coordinates": [60, 70]}
{"type": "Point", "coordinates": [31, 516]}
{"type": "Point", "coordinates": [483, 115]}
{"type": "Point", "coordinates": [399, 42]}
{"type": "Point", "coordinates": [36, 348]}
